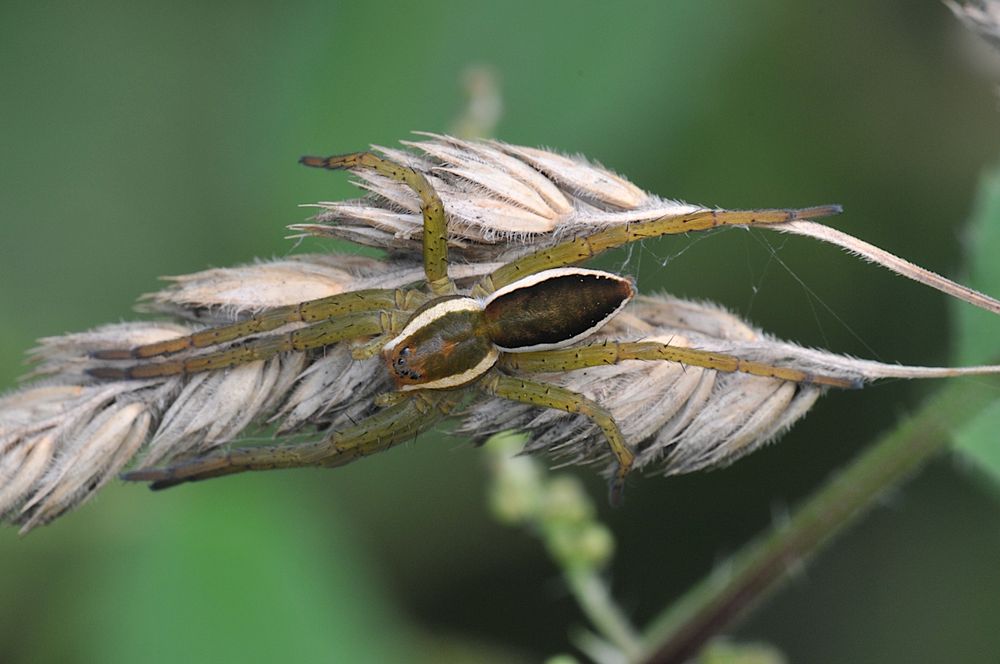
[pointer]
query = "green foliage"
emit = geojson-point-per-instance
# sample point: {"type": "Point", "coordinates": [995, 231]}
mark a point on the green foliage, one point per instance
{"type": "Point", "coordinates": [977, 331]}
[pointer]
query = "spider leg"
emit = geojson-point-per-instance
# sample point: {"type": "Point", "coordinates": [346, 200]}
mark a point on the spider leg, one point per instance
{"type": "Point", "coordinates": [388, 427]}
{"type": "Point", "coordinates": [587, 246]}
{"type": "Point", "coordinates": [402, 420]}
{"type": "Point", "coordinates": [317, 335]}
{"type": "Point", "coordinates": [553, 396]}
{"type": "Point", "coordinates": [303, 312]}
{"type": "Point", "coordinates": [435, 222]}
{"type": "Point", "coordinates": [237, 460]}
{"type": "Point", "coordinates": [613, 352]}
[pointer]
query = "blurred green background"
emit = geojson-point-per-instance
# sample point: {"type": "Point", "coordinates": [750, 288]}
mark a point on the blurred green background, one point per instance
{"type": "Point", "coordinates": [141, 140]}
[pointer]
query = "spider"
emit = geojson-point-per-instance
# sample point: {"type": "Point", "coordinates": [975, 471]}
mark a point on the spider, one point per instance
{"type": "Point", "coordinates": [533, 314]}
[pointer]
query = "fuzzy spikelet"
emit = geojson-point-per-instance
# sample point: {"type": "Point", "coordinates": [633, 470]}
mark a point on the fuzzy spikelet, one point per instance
{"type": "Point", "coordinates": [65, 435]}
{"type": "Point", "coordinates": [981, 16]}
{"type": "Point", "coordinates": [501, 199]}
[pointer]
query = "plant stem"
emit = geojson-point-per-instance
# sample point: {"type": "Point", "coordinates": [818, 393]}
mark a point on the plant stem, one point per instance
{"type": "Point", "coordinates": [731, 589]}
{"type": "Point", "coordinates": [558, 510]}
{"type": "Point", "coordinates": [594, 598]}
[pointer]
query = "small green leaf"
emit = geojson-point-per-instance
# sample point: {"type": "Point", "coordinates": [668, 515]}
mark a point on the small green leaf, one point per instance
{"type": "Point", "coordinates": [979, 441]}
{"type": "Point", "coordinates": [977, 331]}
{"type": "Point", "coordinates": [721, 651]}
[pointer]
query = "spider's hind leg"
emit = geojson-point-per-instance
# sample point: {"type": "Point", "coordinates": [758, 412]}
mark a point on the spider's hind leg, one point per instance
{"type": "Point", "coordinates": [553, 396]}
{"type": "Point", "coordinates": [401, 422]}
{"type": "Point", "coordinates": [349, 326]}
{"type": "Point", "coordinates": [311, 311]}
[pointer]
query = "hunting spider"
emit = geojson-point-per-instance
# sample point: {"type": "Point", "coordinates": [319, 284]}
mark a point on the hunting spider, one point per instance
{"type": "Point", "coordinates": [532, 315]}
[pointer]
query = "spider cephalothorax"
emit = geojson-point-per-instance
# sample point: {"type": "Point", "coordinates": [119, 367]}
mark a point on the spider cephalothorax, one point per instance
{"type": "Point", "coordinates": [533, 314]}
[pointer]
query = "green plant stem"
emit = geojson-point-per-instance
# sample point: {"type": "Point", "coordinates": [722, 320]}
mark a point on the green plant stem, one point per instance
{"type": "Point", "coordinates": [594, 598]}
{"type": "Point", "coordinates": [559, 511]}
{"type": "Point", "coordinates": [728, 592]}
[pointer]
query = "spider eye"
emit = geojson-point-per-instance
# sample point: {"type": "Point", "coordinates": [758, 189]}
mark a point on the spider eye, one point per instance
{"type": "Point", "coordinates": [400, 360]}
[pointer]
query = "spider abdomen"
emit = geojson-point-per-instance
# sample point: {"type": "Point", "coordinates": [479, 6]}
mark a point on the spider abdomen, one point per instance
{"type": "Point", "coordinates": [554, 308]}
{"type": "Point", "coordinates": [453, 340]}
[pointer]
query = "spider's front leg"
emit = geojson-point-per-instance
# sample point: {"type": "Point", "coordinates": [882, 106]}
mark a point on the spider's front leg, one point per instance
{"type": "Point", "coordinates": [586, 247]}
{"type": "Point", "coordinates": [435, 238]}
{"type": "Point", "coordinates": [403, 421]}
{"type": "Point", "coordinates": [553, 396]}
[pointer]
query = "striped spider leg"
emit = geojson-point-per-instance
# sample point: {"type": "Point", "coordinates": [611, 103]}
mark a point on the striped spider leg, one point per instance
{"type": "Point", "coordinates": [435, 237]}
{"type": "Point", "coordinates": [395, 424]}
{"type": "Point", "coordinates": [318, 335]}
{"type": "Point", "coordinates": [313, 311]}
{"type": "Point", "coordinates": [588, 246]}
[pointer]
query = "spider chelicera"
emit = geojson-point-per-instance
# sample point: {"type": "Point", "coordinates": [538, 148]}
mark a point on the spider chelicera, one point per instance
{"type": "Point", "coordinates": [532, 315]}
